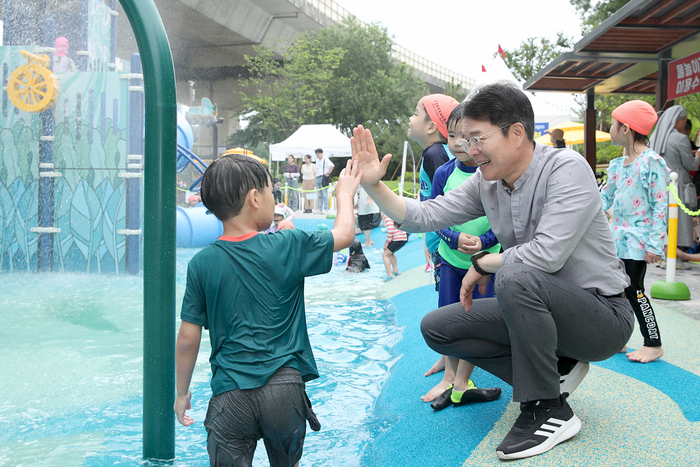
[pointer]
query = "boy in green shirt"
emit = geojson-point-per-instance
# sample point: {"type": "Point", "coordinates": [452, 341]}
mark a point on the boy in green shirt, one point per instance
{"type": "Point", "coordinates": [248, 290]}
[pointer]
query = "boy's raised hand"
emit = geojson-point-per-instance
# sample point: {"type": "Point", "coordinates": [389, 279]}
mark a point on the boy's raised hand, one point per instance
{"type": "Point", "coordinates": [364, 151]}
{"type": "Point", "coordinates": [349, 179]}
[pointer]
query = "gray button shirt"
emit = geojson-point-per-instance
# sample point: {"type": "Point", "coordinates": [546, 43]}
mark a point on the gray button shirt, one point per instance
{"type": "Point", "coordinates": [552, 220]}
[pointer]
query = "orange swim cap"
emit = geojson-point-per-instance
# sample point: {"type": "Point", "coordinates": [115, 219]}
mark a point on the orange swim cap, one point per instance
{"type": "Point", "coordinates": [439, 107]}
{"type": "Point", "coordinates": [639, 115]}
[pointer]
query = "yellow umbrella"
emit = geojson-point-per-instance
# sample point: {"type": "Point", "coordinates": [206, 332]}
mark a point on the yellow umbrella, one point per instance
{"type": "Point", "coordinates": [574, 137]}
{"type": "Point", "coordinates": [246, 152]}
{"type": "Point", "coordinates": [567, 126]}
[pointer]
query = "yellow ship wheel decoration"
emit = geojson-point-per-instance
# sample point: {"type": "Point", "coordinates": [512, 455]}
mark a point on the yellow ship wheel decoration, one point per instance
{"type": "Point", "coordinates": [33, 87]}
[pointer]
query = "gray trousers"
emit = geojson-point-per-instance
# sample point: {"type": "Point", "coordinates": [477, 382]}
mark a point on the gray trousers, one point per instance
{"type": "Point", "coordinates": [292, 195]}
{"type": "Point", "coordinates": [323, 202]}
{"type": "Point", "coordinates": [685, 228]}
{"type": "Point", "coordinates": [534, 318]}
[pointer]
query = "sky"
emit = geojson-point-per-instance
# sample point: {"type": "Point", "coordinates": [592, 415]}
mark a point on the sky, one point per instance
{"type": "Point", "coordinates": [463, 35]}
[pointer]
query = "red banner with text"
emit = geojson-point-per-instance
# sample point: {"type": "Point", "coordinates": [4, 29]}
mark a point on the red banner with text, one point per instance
{"type": "Point", "coordinates": [684, 76]}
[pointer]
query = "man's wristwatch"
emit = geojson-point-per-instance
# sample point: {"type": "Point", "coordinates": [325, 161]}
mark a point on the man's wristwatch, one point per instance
{"type": "Point", "coordinates": [477, 268]}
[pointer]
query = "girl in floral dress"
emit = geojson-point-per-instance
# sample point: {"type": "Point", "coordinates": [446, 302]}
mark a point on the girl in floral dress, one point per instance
{"type": "Point", "coordinates": [636, 190]}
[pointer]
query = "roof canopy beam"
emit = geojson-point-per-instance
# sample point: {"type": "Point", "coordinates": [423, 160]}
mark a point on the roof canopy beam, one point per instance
{"type": "Point", "coordinates": [679, 10]}
{"type": "Point", "coordinates": [642, 34]}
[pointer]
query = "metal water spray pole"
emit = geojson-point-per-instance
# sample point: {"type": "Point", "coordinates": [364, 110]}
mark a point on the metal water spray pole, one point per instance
{"type": "Point", "coordinates": [159, 229]}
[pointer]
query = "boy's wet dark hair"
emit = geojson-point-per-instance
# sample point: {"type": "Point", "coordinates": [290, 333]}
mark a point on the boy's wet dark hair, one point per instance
{"type": "Point", "coordinates": [227, 181]}
{"type": "Point", "coordinates": [501, 104]}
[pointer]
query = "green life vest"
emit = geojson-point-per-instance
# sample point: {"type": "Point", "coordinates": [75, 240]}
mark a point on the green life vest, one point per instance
{"type": "Point", "coordinates": [474, 227]}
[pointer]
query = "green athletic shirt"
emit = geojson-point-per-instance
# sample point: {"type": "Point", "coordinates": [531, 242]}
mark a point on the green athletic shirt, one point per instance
{"type": "Point", "coordinates": [474, 227]}
{"type": "Point", "coordinates": [249, 292]}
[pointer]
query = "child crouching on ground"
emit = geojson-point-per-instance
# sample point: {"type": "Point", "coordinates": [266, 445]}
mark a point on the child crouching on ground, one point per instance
{"type": "Point", "coordinates": [260, 351]}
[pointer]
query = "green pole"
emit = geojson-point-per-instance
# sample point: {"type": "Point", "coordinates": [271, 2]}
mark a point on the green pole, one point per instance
{"type": "Point", "coordinates": [159, 229]}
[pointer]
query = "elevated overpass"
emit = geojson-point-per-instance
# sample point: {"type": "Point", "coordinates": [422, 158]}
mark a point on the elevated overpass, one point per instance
{"type": "Point", "coordinates": [209, 39]}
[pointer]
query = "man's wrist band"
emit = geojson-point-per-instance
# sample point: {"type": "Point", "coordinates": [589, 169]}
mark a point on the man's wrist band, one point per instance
{"type": "Point", "coordinates": [477, 268]}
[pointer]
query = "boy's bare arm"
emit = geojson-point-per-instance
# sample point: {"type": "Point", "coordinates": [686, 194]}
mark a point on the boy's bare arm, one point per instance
{"type": "Point", "coordinates": [365, 152]}
{"type": "Point", "coordinates": [186, 351]}
{"type": "Point", "coordinates": [344, 227]}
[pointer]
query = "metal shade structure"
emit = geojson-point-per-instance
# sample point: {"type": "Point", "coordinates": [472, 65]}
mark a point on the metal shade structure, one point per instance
{"type": "Point", "coordinates": [627, 54]}
{"type": "Point", "coordinates": [622, 55]}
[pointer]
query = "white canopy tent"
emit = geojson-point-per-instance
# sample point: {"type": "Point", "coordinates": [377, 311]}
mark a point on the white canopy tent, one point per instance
{"type": "Point", "coordinates": [308, 138]}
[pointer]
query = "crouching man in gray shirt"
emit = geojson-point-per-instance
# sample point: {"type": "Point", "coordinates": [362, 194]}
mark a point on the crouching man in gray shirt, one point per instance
{"type": "Point", "coordinates": [559, 284]}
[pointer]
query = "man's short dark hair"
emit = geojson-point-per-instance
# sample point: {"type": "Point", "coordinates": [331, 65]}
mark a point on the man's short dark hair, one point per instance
{"type": "Point", "coordinates": [227, 181]}
{"type": "Point", "coordinates": [319, 150]}
{"type": "Point", "coordinates": [501, 103]}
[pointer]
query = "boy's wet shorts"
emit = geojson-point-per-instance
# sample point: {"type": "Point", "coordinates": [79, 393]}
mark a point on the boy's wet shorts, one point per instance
{"type": "Point", "coordinates": [276, 412]}
{"type": "Point", "coordinates": [396, 246]}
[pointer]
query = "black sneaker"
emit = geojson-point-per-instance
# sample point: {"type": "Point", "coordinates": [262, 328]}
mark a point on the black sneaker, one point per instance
{"type": "Point", "coordinates": [538, 429]}
{"type": "Point", "coordinates": [571, 373]}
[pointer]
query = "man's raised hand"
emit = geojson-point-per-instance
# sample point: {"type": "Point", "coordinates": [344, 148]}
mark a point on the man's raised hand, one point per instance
{"type": "Point", "coordinates": [365, 152]}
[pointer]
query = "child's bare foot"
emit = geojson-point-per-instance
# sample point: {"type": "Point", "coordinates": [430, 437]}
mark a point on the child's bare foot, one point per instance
{"type": "Point", "coordinates": [437, 367]}
{"type": "Point", "coordinates": [623, 350]}
{"type": "Point", "coordinates": [646, 354]}
{"type": "Point", "coordinates": [435, 392]}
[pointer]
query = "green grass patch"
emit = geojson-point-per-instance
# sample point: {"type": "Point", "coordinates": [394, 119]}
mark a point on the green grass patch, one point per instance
{"type": "Point", "coordinates": [407, 185]}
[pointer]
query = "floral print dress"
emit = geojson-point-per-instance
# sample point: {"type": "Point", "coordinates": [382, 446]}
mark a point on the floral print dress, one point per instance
{"type": "Point", "coordinates": [638, 196]}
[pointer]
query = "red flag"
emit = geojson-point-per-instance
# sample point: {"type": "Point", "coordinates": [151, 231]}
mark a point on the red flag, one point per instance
{"type": "Point", "coordinates": [483, 69]}
{"type": "Point", "coordinates": [501, 52]}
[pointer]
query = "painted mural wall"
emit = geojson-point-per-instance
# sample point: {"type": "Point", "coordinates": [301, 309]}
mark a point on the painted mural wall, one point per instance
{"type": "Point", "coordinates": [83, 136]}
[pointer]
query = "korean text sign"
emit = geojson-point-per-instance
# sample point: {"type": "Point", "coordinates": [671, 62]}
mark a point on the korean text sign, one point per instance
{"type": "Point", "coordinates": [684, 76]}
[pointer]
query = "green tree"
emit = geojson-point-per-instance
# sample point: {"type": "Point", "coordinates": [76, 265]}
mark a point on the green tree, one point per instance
{"type": "Point", "coordinates": [455, 90]}
{"type": "Point", "coordinates": [343, 75]}
{"type": "Point", "coordinates": [605, 104]}
{"type": "Point", "coordinates": [369, 86]}
{"type": "Point", "coordinates": [285, 95]}
{"type": "Point", "coordinates": [534, 53]}
{"type": "Point", "coordinates": [594, 13]}
{"type": "Point", "coordinates": [691, 104]}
